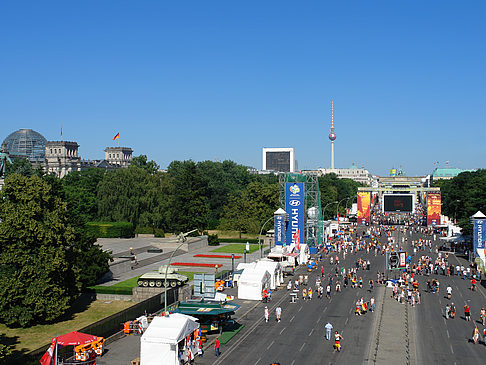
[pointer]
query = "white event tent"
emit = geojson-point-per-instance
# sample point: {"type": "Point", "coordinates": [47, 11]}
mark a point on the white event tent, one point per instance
{"type": "Point", "coordinates": [159, 343]}
{"type": "Point", "coordinates": [252, 282]}
{"type": "Point", "coordinates": [274, 269]}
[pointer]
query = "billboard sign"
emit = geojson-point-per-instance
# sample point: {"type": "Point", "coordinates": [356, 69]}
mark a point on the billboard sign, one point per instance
{"type": "Point", "coordinates": [364, 207]}
{"type": "Point", "coordinates": [279, 229]}
{"type": "Point", "coordinates": [398, 203]}
{"type": "Point", "coordinates": [479, 234]}
{"type": "Point", "coordinates": [295, 208]}
{"type": "Point", "coordinates": [204, 286]}
{"type": "Point", "coordinates": [433, 209]}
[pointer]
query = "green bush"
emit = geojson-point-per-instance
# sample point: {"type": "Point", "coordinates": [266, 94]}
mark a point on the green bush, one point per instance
{"type": "Point", "coordinates": [110, 229]}
{"type": "Point", "coordinates": [110, 290]}
{"type": "Point", "coordinates": [213, 240]}
{"type": "Point", "coordinates": [150, 230]}
{"type": "Point", "coordinates": [240, 240]}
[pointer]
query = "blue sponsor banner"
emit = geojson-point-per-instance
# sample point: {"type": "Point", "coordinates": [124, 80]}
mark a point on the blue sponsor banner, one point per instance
{"type": "Point", "coordinates": [294, 206]}
{"type": "Point", "coordinates": [479, 234]}
{"type": "Point", "coordinates": [279, 227]}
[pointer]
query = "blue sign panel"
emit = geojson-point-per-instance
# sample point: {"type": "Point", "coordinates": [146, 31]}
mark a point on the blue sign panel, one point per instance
{"type": "Point", "coordinates": [279, 227]}
{"type": "Point", "coordinates": [294, 206]}
{"type": "Point", "coordinates": [479, 234]}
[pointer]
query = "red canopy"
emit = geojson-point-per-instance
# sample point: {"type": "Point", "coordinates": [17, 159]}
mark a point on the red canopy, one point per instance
{"type": "Point", "coordinates": [75, 338]}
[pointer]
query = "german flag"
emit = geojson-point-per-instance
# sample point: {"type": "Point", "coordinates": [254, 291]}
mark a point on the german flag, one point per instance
{"type": "Point", "coordinates": [117, 136]}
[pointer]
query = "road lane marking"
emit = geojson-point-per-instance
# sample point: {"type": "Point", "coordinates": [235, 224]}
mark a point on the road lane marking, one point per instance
{"type": "Point", "coordinates": [452, 349]}
{"type": "Point", "coordinates": [270, 345]}
{"type": "Point", "coordinates": [347, 319]}
{"type": "Point", "coordinates": [350, 310]}
{"type": "Point", "coordinates": [258, 361]}
{"type": "Point", "coordinates": [324, 310]}
{"type": "Point", "coordinates": [283, 329]}
{"type": "Point", "coordinates": [310, 333]}
{"type": "Point", "coordinates": [293, 362]}
{"type": "Point", "coordinates": [301, 347]}
{"type": "Point", "coordinates": [291, 319]}
{"type": "Point", "coordinates": [300, 309]}
{"type": "Point", "coordinates": [448, 334]}
{"type": "Point", "coordinates": [319, 319]}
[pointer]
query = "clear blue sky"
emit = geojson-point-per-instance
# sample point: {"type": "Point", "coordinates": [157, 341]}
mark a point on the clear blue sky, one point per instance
{"type": "Point", "coordinates": [222, 79]}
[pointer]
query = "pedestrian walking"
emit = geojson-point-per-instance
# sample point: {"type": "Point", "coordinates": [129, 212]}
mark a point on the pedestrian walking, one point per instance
{"type": "Point", "coordinates": [467, 313]}
{"type": "Point", "coordinates": [328, 328]}
{"type": "Point", "coordinates": [278, 313]}
{"type": "Point", "coordinates": [372, 304]}
{"type": "Point", "coordinates": [216, 347]}
{"type": "Point", "coordinates": [267, 314]}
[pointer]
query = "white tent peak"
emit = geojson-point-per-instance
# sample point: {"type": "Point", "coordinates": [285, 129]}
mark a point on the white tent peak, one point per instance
{"type": "Point", "coordinates": [478, 215]}
{"type": "Point", "coordinates": [279, 211]}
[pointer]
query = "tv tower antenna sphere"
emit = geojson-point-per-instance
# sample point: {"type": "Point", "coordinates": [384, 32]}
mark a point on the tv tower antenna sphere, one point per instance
{"type": "Point", "coordinates": [332, 135]}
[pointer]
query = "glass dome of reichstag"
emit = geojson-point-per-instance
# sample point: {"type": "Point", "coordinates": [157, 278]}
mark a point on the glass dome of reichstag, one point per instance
{"type": "Point", "coordinates": [25, 143]}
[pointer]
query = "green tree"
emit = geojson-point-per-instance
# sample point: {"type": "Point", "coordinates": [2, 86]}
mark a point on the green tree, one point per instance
{"type": "Point", "coordinates": [463, 196]}
{"type": "Point", "coordinates": [37, 282]}
{"type": "Point", "coordinates": [334, 189]}
{"type": "Point", "coordinates": [133, 195]}
{"type": "Point", "coordinates": [141, 161]}
{"type": "Point", "coordinates": [188, 203]}
{"type": "Point", "coordinates": [247, 210]}
{"type": "Point", "coordinates": [81, 193]}
{"type": "Point", "coordinates": [223, 178]}
{"type": "Point", "coordinates": [20, 166]}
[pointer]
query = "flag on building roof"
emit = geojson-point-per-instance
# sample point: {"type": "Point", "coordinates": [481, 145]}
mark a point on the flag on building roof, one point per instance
{"type": "Point", "coordinates": [117, 136]}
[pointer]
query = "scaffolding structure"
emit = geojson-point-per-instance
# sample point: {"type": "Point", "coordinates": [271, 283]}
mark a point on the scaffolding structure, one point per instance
{"type": "Point", "coordinates": [314, 223]}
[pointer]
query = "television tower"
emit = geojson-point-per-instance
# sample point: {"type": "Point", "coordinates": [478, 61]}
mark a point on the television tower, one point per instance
{"type": "Point", "coordinates": [332, 135]}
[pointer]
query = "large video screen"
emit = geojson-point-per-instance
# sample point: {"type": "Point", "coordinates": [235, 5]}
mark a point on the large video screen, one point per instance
{"type": "Point", "coordinates": [397, 203]}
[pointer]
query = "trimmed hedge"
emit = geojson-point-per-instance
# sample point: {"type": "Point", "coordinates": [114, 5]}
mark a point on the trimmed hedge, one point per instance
{"type": "Point", "coordinates": [239, 240]}
{"type": "Point", "coordinates": [150, 230]}
{"type": "Point", "coordinates": [110, 290]}
{"type": "Point", "coordinates": [110, 229]}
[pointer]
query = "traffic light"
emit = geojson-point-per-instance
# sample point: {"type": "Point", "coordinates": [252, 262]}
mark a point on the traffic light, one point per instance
{"type": "Point", "coordinates": [393, 260]}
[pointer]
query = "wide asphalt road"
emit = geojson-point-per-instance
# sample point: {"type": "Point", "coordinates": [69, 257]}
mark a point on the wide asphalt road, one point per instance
{"type": "Point", "coordinates": [447, 341]}
{"type": "Point", "coordinates": [300, 337]}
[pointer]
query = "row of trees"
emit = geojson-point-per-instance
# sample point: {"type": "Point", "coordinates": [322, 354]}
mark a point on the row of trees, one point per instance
{"type": "Point", "coordinates": [46, 255]}
{"type": "Point", "coordinates": [463, 196]}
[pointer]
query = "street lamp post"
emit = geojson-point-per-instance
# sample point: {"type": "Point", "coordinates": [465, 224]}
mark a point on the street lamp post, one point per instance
{"type": "Point", "coordinates": [323, 217]}
{"type": "Point", "coordinates": [259, 236]}
{"type": "Point", "coordinates": [166, 286]}
{"type": "Point", "coordinates": [337, 212]}
{"type": "Point", "coordinates": [278, 212]}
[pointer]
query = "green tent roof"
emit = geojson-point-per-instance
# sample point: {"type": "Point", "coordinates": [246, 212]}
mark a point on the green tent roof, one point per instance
{"type": "Point", "coordinates": [206, 308]}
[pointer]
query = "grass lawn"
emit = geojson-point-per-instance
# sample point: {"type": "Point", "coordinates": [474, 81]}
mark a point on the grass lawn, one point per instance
{"type": "Point", "coordinates": [83, 313]}
{"type": "Point", "coordinates": [237, 248]}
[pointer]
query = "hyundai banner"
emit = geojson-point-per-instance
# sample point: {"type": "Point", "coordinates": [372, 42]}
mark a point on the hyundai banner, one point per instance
{"type": "Point", "coordinates": [478, 234]}
{"type": "Point", "coordinates": [294, 206]}
{"type": "Point", "coordinates": [279, 229]}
